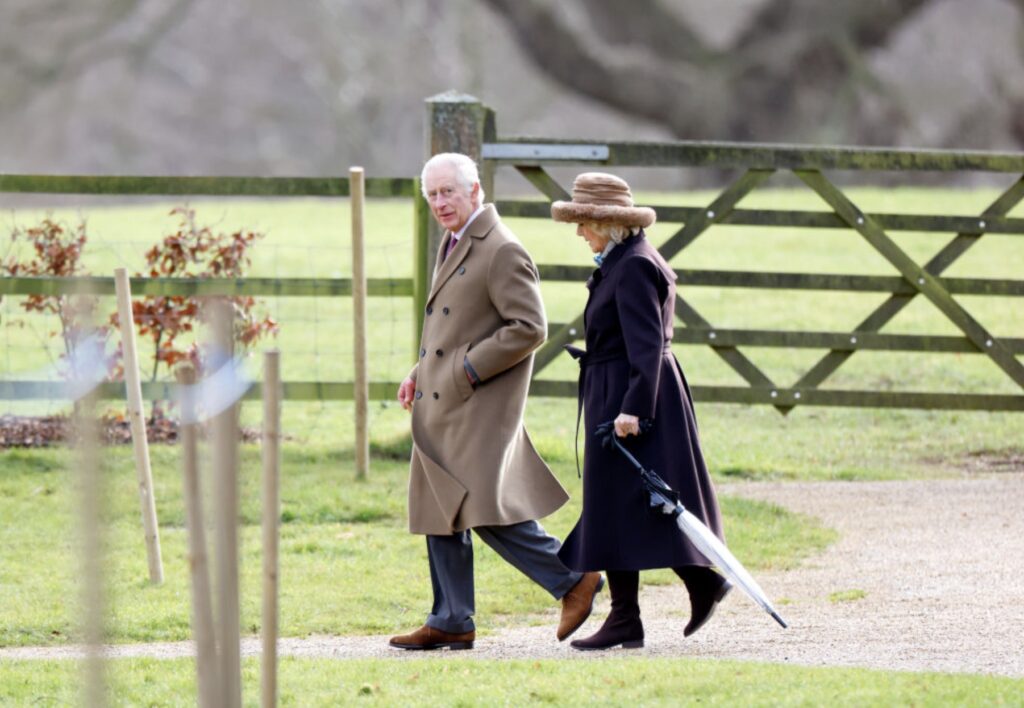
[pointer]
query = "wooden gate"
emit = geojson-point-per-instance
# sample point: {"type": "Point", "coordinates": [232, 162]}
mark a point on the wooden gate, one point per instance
{"type": "Point", "coordinates": [756, 163]}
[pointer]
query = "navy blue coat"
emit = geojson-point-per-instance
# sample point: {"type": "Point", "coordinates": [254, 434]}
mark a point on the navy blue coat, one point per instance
{"type": "Point", "coordinates": [630, 368]}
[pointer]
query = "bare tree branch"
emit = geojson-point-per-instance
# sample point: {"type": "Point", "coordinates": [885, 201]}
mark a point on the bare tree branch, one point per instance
{"type": "Point", "coordinates": [778, 81]}
{"type": "Point", "coordinates": [104, 35]}
{"type": "Point", "coordinates": [631, 78]}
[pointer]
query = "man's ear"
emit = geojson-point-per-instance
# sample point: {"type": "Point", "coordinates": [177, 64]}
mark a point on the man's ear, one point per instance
{"type": "Point", "coordinates": [474, 193]}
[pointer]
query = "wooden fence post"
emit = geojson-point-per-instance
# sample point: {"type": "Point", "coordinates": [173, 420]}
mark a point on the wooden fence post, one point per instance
{"type": "Point", "coordinates": [136, 417]}
{"type": "Point", "coordinates": [271, 523]}
{"type": "Point", "coordinates": [457, 122]}
{"type": "Point", "coordinates": [420, 264]}
{"type": "Point", "coordinates": [361, 385]}
{"type": "Point", "coordinates": [202, 611]}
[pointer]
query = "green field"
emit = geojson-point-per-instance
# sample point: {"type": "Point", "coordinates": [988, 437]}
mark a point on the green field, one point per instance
{"type": "Point", "coordinates": [349, 567]}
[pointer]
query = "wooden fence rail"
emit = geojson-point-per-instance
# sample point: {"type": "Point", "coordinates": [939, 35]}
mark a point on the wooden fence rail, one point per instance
{"type": "Point", "coordinates": [284, 287]}
{"type": "Point", "coordinates": [202, 287]}
{"type": "Point", "coordinates": [377, 187]}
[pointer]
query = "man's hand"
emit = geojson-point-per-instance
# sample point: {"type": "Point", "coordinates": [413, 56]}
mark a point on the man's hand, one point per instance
{"type": "Point", "coordinates": [406, 391]}
{"type": "Point", "coordinates": [626, 424]}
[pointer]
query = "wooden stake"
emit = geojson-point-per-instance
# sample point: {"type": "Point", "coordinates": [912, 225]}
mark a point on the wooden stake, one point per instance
{"type": "Point", "coordinates": [133, 390]}
{"type": "Point", "coordinates": [202, 611]}
{"type": "Point", "coordinates": [225, 446]}
{"type": "Point", "coordinates": [271, 522]}
{"type": "Point", "coordinates": [361, 387]}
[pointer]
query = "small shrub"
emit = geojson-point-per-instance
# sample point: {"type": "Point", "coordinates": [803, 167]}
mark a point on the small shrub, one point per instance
{"type": "Point", "coordinates": [56, 251]}
{"type": "Point", "coordinates": [194, 251]}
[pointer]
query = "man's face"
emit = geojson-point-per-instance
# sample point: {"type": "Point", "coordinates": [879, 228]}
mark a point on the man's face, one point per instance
{"type": "Point", "coordinates": [451, 203]}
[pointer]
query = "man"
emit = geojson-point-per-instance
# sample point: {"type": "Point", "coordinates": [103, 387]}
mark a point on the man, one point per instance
{"type": "Point", "coordinates": [473, 466]}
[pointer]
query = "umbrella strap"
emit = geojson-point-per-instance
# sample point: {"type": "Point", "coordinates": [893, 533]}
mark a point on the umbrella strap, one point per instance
{"type": "Point", "coordinates": [627, 453]}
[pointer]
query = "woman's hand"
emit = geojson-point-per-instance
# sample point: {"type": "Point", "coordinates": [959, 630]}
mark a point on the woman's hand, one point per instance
{"type": "Point", "coordinates": [626, 424]}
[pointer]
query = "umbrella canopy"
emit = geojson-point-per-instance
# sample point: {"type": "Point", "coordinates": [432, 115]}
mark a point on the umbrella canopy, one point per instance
{"type": "Point", "coordinates": [663, 499]}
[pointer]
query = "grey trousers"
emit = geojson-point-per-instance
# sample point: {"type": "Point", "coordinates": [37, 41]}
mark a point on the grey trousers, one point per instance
{"type": "Point", "coordinates": [526, 545]}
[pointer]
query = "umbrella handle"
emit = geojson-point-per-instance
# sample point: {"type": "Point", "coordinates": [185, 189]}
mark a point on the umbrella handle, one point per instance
{"type": "Point", "coordinates": [608, 431]}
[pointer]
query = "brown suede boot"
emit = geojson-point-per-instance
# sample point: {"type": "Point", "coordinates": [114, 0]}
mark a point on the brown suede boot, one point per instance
{"type": "Point", "coordinates": [622, 626]}
{"type": "Point", "coordinates": [578, 603]}
{"type": "Point", "coordinates": [427, 637]}
{"type": "Point", "coordinates": [707, 588]}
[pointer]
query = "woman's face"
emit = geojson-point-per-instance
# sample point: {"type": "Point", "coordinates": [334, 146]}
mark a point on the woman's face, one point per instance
{"type": "Point", "coordinates": [595, 240]}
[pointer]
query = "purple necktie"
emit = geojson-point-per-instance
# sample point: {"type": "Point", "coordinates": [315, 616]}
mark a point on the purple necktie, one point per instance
{"type": "Point", "coordinates": [451, 247]}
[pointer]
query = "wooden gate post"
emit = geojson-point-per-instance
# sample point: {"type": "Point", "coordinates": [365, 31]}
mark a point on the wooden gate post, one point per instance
{"type": "Point", "coordinates": [457, 122]}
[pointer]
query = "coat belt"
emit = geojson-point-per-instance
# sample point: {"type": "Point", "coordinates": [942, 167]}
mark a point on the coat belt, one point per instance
{"type": "Point", "coordinates": [587, 359]}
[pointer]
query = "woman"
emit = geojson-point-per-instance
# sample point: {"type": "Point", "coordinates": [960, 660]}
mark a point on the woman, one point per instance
{"type": "Point", "coordinates": [629, 374]}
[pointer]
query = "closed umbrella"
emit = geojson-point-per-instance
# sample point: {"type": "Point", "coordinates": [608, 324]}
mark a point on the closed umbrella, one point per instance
{"type": "Point", "coordinates": [663, 499]}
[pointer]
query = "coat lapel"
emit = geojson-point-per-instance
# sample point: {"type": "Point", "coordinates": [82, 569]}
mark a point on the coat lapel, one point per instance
{"type": "Point", "coordinates": [479, 228]}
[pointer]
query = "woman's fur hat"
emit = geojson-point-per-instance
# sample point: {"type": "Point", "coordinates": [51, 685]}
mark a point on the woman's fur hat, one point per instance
{"type": "Point", "coordinates": [602, 198]}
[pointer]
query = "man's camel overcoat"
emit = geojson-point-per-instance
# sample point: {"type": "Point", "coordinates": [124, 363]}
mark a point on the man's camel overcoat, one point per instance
{"type": "Point", "coordinates": [472, 462]}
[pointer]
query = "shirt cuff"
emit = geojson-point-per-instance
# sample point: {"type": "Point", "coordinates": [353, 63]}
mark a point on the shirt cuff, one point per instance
{"type": "Point", "coordinates": [471, 371]}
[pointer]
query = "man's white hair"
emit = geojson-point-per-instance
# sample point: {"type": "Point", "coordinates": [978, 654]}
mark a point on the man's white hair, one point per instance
{"type": "Point", "coordinates": [465, 171]}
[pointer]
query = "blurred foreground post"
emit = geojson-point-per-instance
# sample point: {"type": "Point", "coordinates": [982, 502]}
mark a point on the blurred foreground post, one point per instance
{"type": "Point", "coordinates": [225, 487]}
{"type": "Point", "coordinates": [202, 611]}
{"type": "Point", "coordinates": [90, 491]}
{"type": "Point", "coordinates": [271, 522]}
{"type": "Point", "coordinates": [133, 390]}
{"type": "Point", "coordinates": [361, 387]}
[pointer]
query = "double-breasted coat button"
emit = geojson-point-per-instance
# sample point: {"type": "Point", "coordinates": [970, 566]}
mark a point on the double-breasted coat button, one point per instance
{"type": "Point", "coordinates": [440, 352]}
{"type": "Point", "coordinates": [423, 353]}
{"type": "Point", "coordinates": [462, 270]}
{"type": "Point", "coordinates": [419, 395]}
{"type": "Point", "coordinates": [436, 396]}
{"type": "Point", "coordinates": [430, 310]}
{"type": "Point", "coordinates": [445, 310]}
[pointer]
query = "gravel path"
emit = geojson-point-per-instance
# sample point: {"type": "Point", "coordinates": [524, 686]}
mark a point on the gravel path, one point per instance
{"type": "Point", "coordinates": [939, 565]}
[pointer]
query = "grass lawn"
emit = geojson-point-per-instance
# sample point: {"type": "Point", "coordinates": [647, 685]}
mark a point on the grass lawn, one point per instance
{"type": "Point", "coordinates": [459, 681]}
{"type": "Point", "coordinates": [348, 564]}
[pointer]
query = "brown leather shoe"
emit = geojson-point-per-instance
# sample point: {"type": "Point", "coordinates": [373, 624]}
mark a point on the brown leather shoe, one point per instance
{"type": "Point", "coordinates": [427, 637]}
{"type": "Point", "coordinates": [578, 603]}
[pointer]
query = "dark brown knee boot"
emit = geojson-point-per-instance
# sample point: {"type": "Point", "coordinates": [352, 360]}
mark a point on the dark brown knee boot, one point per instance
{"type": "Point", "coordinates": [623, 625]}
{"type": "Point", "coordinates": [707, 588]}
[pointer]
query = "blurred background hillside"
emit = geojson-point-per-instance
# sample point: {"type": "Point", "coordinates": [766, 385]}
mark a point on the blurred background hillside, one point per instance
{"type": "Point", "coordinates": [308, 88]}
